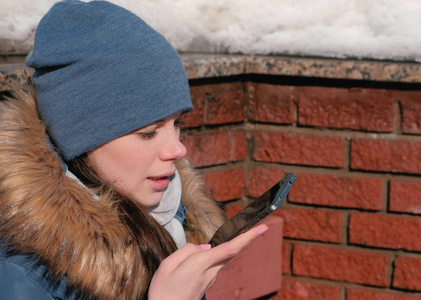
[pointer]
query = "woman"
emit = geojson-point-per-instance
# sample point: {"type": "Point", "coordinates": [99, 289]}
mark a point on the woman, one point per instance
{"type": "Point", "coordinates": [96, 198]}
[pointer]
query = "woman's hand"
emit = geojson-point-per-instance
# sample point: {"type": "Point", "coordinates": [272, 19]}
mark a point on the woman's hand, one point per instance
{"type": "Point", "coordinates": [190, 271]}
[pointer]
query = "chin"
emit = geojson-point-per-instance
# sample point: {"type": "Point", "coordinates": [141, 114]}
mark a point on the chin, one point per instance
{"type": "Point", "coordinates": [149, 201]}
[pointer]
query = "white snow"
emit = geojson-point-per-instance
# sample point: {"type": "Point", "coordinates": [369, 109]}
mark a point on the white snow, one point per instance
{"type": "Point", "coordinates": [376, 29]}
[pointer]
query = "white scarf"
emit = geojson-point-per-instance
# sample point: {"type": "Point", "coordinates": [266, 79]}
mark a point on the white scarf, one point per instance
{"type": "Point", "coordinates": [164, 212]}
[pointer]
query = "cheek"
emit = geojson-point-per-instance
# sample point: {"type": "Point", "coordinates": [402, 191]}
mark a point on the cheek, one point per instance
{"type": "Point", "coordinates": [108, 164]}
{"type": "Point", "coordinates": [125, 164]}
{"type": "Point", "coordinates": [126, 173]}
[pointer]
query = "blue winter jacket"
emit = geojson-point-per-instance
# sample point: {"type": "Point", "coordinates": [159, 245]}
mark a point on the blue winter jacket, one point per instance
{"type": "Point", "coordinates": [21, 279]}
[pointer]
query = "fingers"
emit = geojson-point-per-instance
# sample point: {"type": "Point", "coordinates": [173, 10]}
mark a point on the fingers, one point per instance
{"type": "Point", "coordinates": [203, 258]}
{"type": "Point", "coordinates": [179, 256]}
{"type": "Point", "coordinates": [195, 267]}
{"type": "Point", "coordinates": [233, 247]}
{"type": "Point", "coordinates": [246, 238]}
{"type": "Point", "coordinates": [226, 251]}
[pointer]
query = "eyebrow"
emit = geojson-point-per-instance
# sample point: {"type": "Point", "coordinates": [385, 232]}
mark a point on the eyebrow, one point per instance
{"type": "Point", "coordinates": [181, 115]}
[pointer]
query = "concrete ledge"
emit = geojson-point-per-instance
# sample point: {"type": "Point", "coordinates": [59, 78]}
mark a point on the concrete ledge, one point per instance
{"type": "Point", "coordinates": [217, 65]}
{"type": "Point", "coordinates": [14, 74]}
{"type": "Point", "coordinates": [207, 65]}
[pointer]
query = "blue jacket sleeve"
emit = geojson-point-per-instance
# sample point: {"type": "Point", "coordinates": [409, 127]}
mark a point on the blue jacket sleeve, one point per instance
{"type": "Point", "coordinates": [16, 284]}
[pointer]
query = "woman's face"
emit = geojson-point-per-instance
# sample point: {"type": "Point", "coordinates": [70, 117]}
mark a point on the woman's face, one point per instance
{"type": "Point", "coordinates": [139, 164]}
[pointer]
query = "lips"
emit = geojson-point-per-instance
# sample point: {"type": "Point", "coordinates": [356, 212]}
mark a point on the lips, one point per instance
{"type": "Point", "coordinates": [160, 183]}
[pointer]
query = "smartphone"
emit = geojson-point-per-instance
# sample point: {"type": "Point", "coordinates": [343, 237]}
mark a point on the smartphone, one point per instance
{"type": "Point", "coordinates": [255, 212]}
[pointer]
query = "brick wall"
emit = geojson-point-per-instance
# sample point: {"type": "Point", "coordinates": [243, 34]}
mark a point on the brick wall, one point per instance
{"type": "Point", "coordinates": [352, 223]}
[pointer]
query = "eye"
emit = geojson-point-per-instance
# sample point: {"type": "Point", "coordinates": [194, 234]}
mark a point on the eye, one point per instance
{"type": "Point", "coordinates": [148, 132]}
{"type": "Point", "coordinates": [147, 135]}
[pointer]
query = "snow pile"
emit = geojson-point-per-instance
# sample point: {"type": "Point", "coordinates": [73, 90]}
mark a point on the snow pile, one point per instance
{"type": "Point", "coordinates": [378, 29]}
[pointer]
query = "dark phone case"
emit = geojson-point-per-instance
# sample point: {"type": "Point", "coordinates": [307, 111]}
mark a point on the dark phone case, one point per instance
{"type": "Point", "coordinates": [255, 211]}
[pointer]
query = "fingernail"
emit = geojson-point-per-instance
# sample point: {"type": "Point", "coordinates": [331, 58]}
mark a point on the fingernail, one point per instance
{"type": "Point", "coordinates": [261, 231]}
{"type": "Point", "coordinates": [205, 246]}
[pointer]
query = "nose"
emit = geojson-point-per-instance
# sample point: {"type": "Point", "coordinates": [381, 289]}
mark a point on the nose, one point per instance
{"type": "Point", "coordinates": [174, 149]}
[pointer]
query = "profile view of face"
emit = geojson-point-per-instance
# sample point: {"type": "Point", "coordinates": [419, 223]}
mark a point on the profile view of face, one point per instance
{"type": "Point", "coordinates": [139, 164]}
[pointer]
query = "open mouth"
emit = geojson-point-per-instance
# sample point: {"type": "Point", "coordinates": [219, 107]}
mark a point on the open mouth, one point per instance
{"type": "Point", "coordinates": [159, 183]}
{"type": "Point", "coordinates": [159, 178]}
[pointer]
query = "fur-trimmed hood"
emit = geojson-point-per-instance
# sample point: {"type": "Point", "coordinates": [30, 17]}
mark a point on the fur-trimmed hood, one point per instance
{"type": "Point", "coordinates": [49, 215]}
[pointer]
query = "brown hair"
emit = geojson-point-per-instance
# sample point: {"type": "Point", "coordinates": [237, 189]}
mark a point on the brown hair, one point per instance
{"type": "Point", "coordinates": [153, 241]}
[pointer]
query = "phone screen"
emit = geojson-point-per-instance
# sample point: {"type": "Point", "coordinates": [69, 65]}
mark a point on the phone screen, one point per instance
{"type": "Point", "coordinates": [255, 211]}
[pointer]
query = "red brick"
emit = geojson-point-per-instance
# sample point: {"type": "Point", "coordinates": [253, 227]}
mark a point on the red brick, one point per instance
{"type": "Point", "coordinates": [405, 196]}
{"type": "Point", "coordinates": [271, 103]}
{"type": "Point", "coordinates": [239, 146]}
{"type": "Point", "coordinates": [337, 191]}
{"type": "Point", "coordinates": [196, 116]}
{"type": "Point", "coordinates": [359, 294]}
{"type": "Point", "coordinates": [208, 149]}
{"type": "Point", "coordinates": [259, 180]}
{"type": "Point", "coordinates": [410, 102]}
{"type": "Point", "coordinates": [293, 289]}
{"type": "Point", "coordinates": [341, 265]}
{"type": "Point", "coordinates": [357, 109]}
{"type": "Point", "coordinates": [299, 149]}
{"type": "Point", "coordinates": [310, 224]}
{"type": "Point", "coordinates": [407, 273]}
{"type": "Point", "coordinates": [226, 185]}
{"type": "Point", "coordinates": [386, 156]}
{"type": "Point", "coordinates": [286, 257]}
{"type": "Point", "coordinates": [385, 231]}
{"type": "Point", "coordinates": [222, 103]}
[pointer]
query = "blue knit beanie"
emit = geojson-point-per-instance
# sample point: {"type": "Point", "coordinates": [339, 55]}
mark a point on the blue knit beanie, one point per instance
{"type": "Point", "coordinates": [102, 72]}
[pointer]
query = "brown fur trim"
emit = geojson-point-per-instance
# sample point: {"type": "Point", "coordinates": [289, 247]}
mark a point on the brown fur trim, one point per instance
{"type": "Point", "coordinates": [45, 213]}
{"type": "Point", "coordinates": [204, 215]}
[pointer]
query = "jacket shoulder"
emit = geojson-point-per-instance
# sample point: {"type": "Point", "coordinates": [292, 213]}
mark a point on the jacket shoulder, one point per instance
{"type": "Point", "coordinates": [20, 279]}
